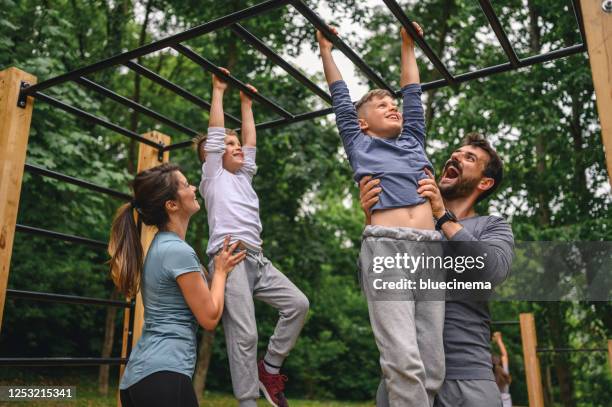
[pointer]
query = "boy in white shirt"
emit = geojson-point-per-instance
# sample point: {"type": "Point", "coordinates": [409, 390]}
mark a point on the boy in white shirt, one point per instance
{"type": "Point", "coordinates": [233, 209]}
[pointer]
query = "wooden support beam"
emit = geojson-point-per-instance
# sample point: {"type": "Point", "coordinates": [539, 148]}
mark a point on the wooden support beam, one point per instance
{"type": "Point", "coordinates": [610, 354]}
{"type": "Point", "coordinates": [147, 158]}
{"type": "Point", "coordinates": [532, 362]}
{"type": "Point", "coordinates": [598, 30]}
{"type": "Point", "coordinates": [14, 132]}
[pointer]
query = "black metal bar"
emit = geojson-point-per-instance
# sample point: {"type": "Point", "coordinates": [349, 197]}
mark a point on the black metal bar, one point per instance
{"type": "Point", "coordinates": [532, 60]}
{"type": "Point", "coordinates": [570, 350]}
{"type": "Point", "coordinates": [61, 361]}
{"type": "Point", "coordinates": [318, 22]}
{"type": "Point", "coordinates": [210, 67]}
{"type": "Point", "coordinates": [35, 169]}
{"type": "Point", "coordinates": [495, 24]}
{"type": "Point", "coordinates": [278, 60]}
{"type": "Point", "coordinates": [95, 119]}
{"type": "Point", "coordinates": [61, 236]}
{"type": "Point", "coordinates": [298, 118]}
{"type": "Point", "coordinates": [505, 322]}
{"type": "Point", "coordinates": [68, 299]}
{"type": "Point", "coordinates": [574, 49]}
{"type": "Point", "coordinates": [579, 19]}
{"type": "Point", "coordinates": [161, 44]}
{"type": "Point", "coordinates": [149, 74]}
{"type": "Point", "coordinates": [135, 106]}
{"type": "Point", "coordinates": [407, 24]}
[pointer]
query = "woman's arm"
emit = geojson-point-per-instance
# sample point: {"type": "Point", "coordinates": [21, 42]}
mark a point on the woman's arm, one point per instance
{"type": "Point", "coordinates": [207, 304]}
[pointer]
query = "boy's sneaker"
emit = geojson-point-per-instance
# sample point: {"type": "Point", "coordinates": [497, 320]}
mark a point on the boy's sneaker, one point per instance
{"type": "Point", "coordinates": [272, 386]}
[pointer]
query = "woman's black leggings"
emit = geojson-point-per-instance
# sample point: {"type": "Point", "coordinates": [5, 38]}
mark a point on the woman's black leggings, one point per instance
{"type": "Point", "coordinates": [160, 389]}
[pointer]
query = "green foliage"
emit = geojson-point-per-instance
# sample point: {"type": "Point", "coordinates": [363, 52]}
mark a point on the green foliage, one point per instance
{"type": "Point", "coordinates": [542, 119]}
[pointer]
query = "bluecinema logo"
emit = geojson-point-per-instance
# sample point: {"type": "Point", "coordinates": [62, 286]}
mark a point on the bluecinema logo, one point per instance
{"type": "Point", "coordinates": [412, 263]}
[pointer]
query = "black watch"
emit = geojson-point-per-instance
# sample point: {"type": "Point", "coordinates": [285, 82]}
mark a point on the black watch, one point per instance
{"type": "Point", "coordinates": [448, 216]}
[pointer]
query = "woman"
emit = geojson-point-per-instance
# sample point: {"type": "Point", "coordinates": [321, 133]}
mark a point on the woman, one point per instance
{"type": "Point", "coordinates": [175, 293]}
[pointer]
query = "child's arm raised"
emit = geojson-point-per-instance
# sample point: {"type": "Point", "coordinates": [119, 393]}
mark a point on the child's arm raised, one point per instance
{"type": "Point", "coordinates": [346, 115]}
{"type": "Point", "coordinates": [409, 68]}
{"type": "Point", "coordinates": [214, 146]}
{"type": "Point", "coordinates": [414, 119]}
{"type": "Point", "coordinates": [249, 133]}
{"type": "Point", "coordinates": [332, 73]}
{"type": "Point", "coordinates": [216, 105]}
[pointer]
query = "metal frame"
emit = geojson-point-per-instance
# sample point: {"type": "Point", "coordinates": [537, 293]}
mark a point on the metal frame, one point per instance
{"type": "Point", "coordinates": [231, 21]}
{"type": "Point", "coordinates": [35, 169]}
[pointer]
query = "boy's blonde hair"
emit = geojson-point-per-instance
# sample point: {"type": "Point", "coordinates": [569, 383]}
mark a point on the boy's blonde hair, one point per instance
{"type": "Point", "coordinates": [200, 140]}
{"type": "Point", "coordinates": [374, 93]}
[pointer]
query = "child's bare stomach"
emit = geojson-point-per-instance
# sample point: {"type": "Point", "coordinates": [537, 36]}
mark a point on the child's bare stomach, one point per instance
{"type": "Point", "coordinates": [417, 216]}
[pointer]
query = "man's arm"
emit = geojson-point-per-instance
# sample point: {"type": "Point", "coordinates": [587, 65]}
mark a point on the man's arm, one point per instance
{"type": "Point", "coordinates": [216, 118]}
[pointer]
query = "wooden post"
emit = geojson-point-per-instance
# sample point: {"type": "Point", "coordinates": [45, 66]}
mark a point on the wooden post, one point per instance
{"type": "Point", "coordinates": [147, 158]}
{"type": "Point", "coordinates": [598, 30]}
{"type": "Point", "coordinates": [610, 354]}
{"type": "Point", "coordinates": [532, 362]}
{"type": "Point", "coordinates": [14, 133]}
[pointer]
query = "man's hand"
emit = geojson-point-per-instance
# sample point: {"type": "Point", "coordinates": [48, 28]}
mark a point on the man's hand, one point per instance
{"type": "Point", "coordinates": [497, 336]}
{"type": "Point", "coordinates": [407, 38]}
{"type": "Point", "coordinates": [245, 99]}
{"type": "Point", "coordinates": [326, 45]}
{"type": "Point", "coordinates": [428, 188]}
{"type": "Point", "coordinates": [369, 190]}
{"type": "Point", "coordinates": [218, 83]}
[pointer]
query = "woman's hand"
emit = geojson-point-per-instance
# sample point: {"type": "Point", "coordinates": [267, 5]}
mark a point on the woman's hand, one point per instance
{"type": "Point", "coordinates": [227, 259]}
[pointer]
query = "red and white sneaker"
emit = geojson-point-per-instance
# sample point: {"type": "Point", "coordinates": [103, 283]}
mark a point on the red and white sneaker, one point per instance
{"type": "Point", "coordinates": [272, 386]}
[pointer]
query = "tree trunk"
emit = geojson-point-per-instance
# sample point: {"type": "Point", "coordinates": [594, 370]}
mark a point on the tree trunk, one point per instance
{"type": "Point", "coordinates": [107, 345]}
{"type": "Point", "coordinates": [558, 336]}
{"type": "Point", "coordinates": [554, 313]}
{"type": "Point", "coordinates": [201, 371]}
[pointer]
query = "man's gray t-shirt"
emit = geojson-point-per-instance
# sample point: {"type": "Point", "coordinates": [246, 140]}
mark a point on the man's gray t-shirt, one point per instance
{"type": "Point", "coordinates": [467, 334]}
{"type": "Point", "coordinates": [168, 340]}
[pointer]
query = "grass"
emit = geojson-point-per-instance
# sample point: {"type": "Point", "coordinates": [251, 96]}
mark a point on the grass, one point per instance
{"type": "Point", "coordinates": [87, 396]}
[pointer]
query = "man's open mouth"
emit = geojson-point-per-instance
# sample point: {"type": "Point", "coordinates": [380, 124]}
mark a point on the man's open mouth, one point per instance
{"type": "Point", "coordinates": [451, 172]}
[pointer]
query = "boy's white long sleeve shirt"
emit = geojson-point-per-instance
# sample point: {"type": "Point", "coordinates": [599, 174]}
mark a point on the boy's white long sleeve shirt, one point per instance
{"type": "Point", "coordinates": [231, 202]}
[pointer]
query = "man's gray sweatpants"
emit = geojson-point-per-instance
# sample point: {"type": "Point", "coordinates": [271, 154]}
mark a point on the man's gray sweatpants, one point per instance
{"type": "Point", "coordinates": [457, 393]}
{"type": "Point", "coordinates": [256, 277]}
{"type": "Point", "coordinates": [408, 333]}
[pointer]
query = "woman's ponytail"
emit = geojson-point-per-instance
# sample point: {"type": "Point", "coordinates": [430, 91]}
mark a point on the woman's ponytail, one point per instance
{"type": "Point", "coordinates": [125, 250]}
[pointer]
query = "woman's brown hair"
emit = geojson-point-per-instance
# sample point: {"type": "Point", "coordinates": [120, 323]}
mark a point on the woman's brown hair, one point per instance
{"type": "Point", "coordinates": [152, 189]}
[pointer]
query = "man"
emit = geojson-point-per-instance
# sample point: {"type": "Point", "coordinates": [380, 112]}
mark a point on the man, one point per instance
{"type": "Point", "coordinates": [472, 173]}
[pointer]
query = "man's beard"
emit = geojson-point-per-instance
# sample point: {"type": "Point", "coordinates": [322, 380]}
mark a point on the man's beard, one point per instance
{"type": "Point", "coordinates": [460, 189]}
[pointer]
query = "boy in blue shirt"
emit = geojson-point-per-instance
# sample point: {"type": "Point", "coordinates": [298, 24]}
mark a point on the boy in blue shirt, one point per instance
{"type": "Point", "coordinates": [381, 141]}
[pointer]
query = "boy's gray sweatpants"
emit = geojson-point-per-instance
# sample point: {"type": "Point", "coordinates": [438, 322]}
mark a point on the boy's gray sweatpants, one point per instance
{"type": "Point", "coordinates": [256, 277]}
{"type": "Point", "coordinates": [408, 333]}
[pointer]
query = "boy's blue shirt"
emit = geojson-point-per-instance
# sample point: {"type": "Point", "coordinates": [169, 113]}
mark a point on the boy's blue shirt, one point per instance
{"type": "Point", "coordinates": [399, 162]}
